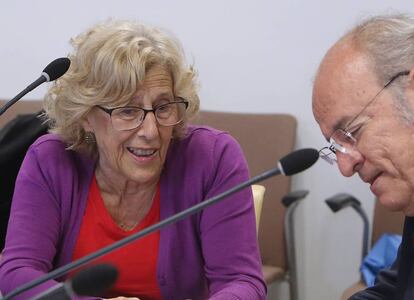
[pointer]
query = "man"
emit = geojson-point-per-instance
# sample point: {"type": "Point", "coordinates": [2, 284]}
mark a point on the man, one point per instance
{"type": "Point", "coordinates": [363, 101]}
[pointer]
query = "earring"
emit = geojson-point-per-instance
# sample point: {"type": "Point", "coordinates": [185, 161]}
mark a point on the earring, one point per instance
{"type": "Point", "coordinates": [90, 138]}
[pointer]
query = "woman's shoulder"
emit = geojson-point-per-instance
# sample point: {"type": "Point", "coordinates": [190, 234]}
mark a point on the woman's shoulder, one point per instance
{"type": "Point", "coordinates": [50, 149]}
{"type": "Point", "coordinates": [49, 141]}
{"type": "Point", "coordinates": [49, 146]}
{"type": "Point", "coordinates": [207, 135]}
{"type": "Point", "coordinates": [204, 145]}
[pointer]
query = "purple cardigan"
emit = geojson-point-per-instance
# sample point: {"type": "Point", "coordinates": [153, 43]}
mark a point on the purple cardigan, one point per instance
{"type": "Point", "coordinates": [210, 255]}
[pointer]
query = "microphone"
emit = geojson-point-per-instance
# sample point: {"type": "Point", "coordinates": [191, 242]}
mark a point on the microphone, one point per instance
{"type": "Point", "coordinates": [297, 161]}
{"type": "Point", "coordinates": [53, 71]}
{"type": "Point", "coordinates": [293, 163]}
{"type": "Point", "coordinates": [93, 281]}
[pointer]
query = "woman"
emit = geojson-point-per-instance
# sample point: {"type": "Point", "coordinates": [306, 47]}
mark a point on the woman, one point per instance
{"type": "Point", "coordinates": [121, 158]}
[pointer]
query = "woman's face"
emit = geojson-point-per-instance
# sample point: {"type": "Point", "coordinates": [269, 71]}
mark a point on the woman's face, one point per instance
{"type": "Point", "coordinates": [139, 154]}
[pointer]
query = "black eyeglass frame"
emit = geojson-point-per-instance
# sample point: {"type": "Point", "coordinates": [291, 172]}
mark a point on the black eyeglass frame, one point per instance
{"type": "Point", "coordinates": [177, 100]}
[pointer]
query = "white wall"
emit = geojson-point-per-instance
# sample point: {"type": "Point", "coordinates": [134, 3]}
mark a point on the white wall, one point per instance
{"type": "Point", "coordinates": [252, 56]}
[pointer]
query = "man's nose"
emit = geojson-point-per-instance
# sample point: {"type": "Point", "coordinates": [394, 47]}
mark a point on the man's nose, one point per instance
{"type": "Point", "coordinates": [349, 162]}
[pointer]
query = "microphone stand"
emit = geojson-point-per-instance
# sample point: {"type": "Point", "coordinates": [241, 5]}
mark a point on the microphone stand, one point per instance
{"type": "Point", "coordinates": [29, 88]}
{"type": "Point", "coordinates": [170, 220]}
{"type": "Point", "coordinates": [53, 71]}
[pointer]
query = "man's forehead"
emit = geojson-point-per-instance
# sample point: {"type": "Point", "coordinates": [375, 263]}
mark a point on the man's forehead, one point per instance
{"type": "Point", "coordinates": [329, 116]}
{"type": "Point", "coordinates": [343, 65]}
{"type": "Point", "coordinates": [342, 86]}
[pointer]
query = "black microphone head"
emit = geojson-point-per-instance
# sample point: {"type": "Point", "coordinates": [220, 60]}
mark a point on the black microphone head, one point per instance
{"type": "Point", "coordinates": [95, 280]}
{"type": "Point", "coordinates": [56, 68]}
{"type": "Point", "coordinates": [298, 161]}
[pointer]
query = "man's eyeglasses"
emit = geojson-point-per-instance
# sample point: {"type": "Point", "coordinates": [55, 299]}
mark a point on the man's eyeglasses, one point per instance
{"type": "Point", "coordinates": [131, 117]}
{"type": "Point", "coordinates": [343, 139]}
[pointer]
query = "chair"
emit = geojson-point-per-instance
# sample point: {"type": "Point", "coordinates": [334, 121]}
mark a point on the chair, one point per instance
{"type": "Point", "coordinates": [20, 107]}
{"type": "Point", "coordinates": [384, 221]}
{"type": "Point", "coordinates": [264, 138]}
{"type": "Point", "coordinates": [258, 195]}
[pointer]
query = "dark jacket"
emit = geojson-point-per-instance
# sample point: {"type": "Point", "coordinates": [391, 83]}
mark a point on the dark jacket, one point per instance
{"type": "Point", "coordinates": [396, 283]}
{"type": "Point", "coordinates": [15, 138]}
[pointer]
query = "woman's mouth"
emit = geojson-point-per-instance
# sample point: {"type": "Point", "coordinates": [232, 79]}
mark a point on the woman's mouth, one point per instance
{"type": "Point", "coordinates": [143, 153]}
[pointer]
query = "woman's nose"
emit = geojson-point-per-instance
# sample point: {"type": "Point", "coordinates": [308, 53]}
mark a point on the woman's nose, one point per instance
{"type": "Point", "coordinates": [149, 126]}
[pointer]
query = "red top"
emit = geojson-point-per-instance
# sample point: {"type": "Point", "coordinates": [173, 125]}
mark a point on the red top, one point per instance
{"type": "Point", "coordinates": [137, 262]}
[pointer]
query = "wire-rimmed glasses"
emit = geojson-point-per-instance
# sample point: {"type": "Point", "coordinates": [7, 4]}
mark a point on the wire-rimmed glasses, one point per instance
{"type": "Point", "coordinates": [131, 117]}
{"type": "Point", "coordinates": [343, 139]}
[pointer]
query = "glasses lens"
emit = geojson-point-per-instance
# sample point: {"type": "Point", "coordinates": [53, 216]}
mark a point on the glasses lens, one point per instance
{"type": "Point", "coordinates": [126, 118]}
{"type": "Point", "coordinates": [327, 155]}
{"type": "Point", "coordinates": [342, 141]}
{"type": "Point", "coordinates": [171, 113]}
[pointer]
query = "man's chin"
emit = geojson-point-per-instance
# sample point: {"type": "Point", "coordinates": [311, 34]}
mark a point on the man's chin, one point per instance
{"type": "Point", "coordinates": [395, 204]}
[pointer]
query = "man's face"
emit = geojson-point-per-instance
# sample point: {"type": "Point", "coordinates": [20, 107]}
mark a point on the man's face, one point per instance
{"type": "Point", "coordinates": [344, 85]}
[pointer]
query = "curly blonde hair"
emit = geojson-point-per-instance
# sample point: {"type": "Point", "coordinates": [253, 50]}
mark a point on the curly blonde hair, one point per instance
{"type": "Point", "coordinates": [108, 63]}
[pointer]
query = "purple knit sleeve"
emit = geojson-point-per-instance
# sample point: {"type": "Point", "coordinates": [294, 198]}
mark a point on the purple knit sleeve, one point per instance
{"type": "Point", "coordinates": [34, 233]}
{"type": "Point", "coordinates": [33, 229]}
{"type": "Point", "coordinates": [228, 230]}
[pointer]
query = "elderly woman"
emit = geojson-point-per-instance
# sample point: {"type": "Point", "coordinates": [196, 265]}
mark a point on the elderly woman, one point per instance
{"type": "Point", "coordinates": [121, 157]}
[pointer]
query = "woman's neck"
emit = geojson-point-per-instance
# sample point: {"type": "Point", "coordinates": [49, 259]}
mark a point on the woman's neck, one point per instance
{"type": "Point", "coordinates": [126, 201]}
{"type": "Point", "coordinates": [114, 184]}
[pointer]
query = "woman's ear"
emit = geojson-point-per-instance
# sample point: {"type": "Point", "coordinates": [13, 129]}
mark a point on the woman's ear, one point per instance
{"type": "Point", "coordinates": [86, 124]}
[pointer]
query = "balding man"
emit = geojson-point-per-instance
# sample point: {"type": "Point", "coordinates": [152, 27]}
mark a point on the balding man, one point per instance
{"type": "Point", "coordinates": [363, 101]}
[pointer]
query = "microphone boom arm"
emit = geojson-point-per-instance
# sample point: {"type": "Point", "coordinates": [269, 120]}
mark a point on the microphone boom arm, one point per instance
{"type": "Point", "coordinates": [29, 88]}
{"type": "Point", "coordinates": [53, 71]}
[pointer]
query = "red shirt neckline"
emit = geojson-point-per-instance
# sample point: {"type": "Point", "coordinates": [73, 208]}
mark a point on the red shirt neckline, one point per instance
{"type": "Point", "coordinates": [136, 262]}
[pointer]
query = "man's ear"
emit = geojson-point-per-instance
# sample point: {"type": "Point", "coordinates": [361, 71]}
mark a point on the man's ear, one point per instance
{"type": "Point", "coordinates": [409, 91]}
{"type": "Point", "coordinates": [411, 79]}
